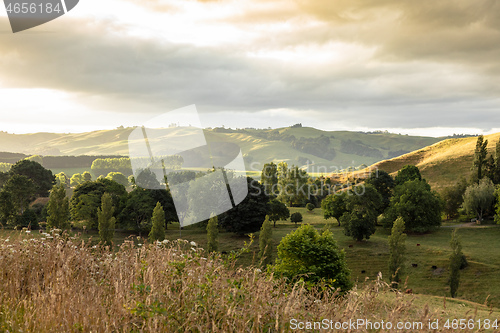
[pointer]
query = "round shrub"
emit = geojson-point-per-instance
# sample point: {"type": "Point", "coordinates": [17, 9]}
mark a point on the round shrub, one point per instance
{"type": "Point", "coordinates": [306, 254]}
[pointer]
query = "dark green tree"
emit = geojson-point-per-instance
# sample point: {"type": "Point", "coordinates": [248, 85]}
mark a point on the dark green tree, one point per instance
{"type": "Point", "coordinates": [213, 234]}
{"type": "Point", "coordinates": [164, 197]}
{"type": "Point", "coordinates": [397, 250]}
{"type": "Point", "coordinates": [306, 254]}
{"type": "Point", "coordinates": [22, 191]}
{"type": "Point", "coordinates": [136, 215]}
{"type": "Point", "coordinates": [249, 215]}
{"type": "Point", "coordinates": [362, 207]}
{"type": "Point", "coordinates": [157, 232]}
{"type": "Point", "coordinates": [296, 218]}
{"type": "Point", "coordinates": [406, 174]}
{"type": "Point", "coordinates": [419, 207]}
{"type": "Point", "coordinates": [106, 220]}
{"type": "Point", "coordinates": [42, 178]}
{"type": "Point", "coordinates": [453, 198]}
{"type": "Point", "coordinates": [147, 179]}
{"type": "Point", "coordinates": [7, 209]}
{"type": "Point", "coordinates": [480, 154]}
{"type": "Point", "coordinates": [278, 211]}
{"type": "Point", "coordinates": [58, 208]}
{"type": "Point", "coordinates": [28, 219]}
{"type": "Point", "coordinates": [357, 225]}
{"type": "Point", "coordinates": [4, 177]}
{"type": "Point", "coordinates": [334, 205]}
{"type": "Point", "coordinates": [384, 184]}
{"type": "Point", "coordinates": [310, 207]}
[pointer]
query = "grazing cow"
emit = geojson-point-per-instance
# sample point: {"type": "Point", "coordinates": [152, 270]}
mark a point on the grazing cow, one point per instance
{"type": "Point", "coordinates": [409, 291]}
{"type": "Point", "coordinates": [414, 265]}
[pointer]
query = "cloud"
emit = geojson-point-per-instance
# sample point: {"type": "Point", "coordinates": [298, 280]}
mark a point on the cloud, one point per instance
{"type": "Point", "coordinates": [381, 64]}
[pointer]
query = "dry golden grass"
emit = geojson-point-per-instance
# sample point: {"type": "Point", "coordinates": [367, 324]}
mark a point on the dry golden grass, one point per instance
{"type": "Point", "coordinates": [442, 163]}
{"type": "Point", "coordinates": [66, 286]}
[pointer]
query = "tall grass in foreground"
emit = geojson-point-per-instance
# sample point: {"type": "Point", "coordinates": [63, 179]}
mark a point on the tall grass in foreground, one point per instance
{"type": "Point", "coordinates": [65, 286]}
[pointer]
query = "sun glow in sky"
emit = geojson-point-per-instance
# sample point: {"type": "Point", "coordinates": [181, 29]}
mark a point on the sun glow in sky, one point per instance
{"type": "Point", "coordinates": [407, 67]}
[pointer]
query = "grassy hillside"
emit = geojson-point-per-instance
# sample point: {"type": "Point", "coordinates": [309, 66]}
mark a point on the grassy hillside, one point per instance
{"type": "Point", "coordinates": [442, 164]}
{"type": "Point", "coordinates": [293, 145]}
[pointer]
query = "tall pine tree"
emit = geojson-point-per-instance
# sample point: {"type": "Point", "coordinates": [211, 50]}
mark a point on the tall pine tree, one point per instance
{"type": "Point", "coordinates": [157, 232]}
{"type": "Point", "coordinates": [58, 208]}
{"type": "Point", "coordinates": [106, 220]}
{"type": "Point", "coordinates": [480, 155]}
{"type": "Point", "coordinates": [397, 249]}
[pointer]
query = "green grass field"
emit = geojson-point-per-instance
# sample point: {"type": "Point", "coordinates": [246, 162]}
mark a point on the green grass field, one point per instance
{"type": "Point", "coordinates": [481, 245]}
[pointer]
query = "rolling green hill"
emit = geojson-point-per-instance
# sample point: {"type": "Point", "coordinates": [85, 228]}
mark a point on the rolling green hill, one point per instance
{"type": "Point", "coordinates": [325, 151]}
{"type": "Point", "coordinates": [442, 163]}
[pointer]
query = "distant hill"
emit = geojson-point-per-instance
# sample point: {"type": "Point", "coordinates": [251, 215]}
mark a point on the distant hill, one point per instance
{"type": "Point", "coordinates": [326, 151]}
{"type": "Point", "coordinates": [442, 163]}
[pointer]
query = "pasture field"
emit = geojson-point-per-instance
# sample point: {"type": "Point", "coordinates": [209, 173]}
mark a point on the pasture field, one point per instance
{"type": "Point", "coordinates": [481, 245]}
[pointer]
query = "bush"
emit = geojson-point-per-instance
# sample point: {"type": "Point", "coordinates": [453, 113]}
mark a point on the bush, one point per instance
{"type": "Point", "coordinates": [310, 207]}
{"type": "Point", "coordinates": [306, 254]}
{"type": "Point", "coordinates": [27, 219]}
{"type": "Point", "coordinates": [296, 218]}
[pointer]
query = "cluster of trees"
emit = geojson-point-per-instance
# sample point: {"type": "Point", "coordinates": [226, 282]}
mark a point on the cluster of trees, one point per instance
{"type": "Point", "coordinates": [24, 182]}
{"type": "Point", "coordinates": [319, 147]}
{"type": "Point", "coordinates": [103, 166]}
{"type": "Point", "coordinates": [288, 185]}
{"type": "Point", "coordinates": [359, 148]}
{"type": "Point", "coordinates": [479, 197]}
{"type": "Point", "coordinates": [407, 196]}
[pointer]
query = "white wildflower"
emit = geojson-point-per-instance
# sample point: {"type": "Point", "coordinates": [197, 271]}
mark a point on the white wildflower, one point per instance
{"type": "Point", "coordinates": [193, 243]}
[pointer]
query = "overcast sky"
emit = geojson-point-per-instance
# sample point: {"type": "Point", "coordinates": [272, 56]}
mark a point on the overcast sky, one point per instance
{"type": "Point", "coordinates": [418, 67]}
